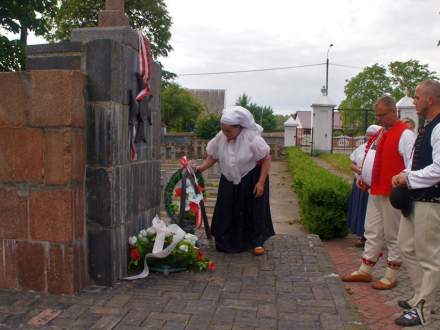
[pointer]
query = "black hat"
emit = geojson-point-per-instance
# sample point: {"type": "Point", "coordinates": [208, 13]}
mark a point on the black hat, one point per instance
{"type": "Point", "coordinates": [400, 199]}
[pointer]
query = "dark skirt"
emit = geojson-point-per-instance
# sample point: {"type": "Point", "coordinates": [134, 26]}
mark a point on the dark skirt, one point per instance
{"type": "Point", "coordinates": [240, 220]}
{"type": "Point", "coordinates": [357, 207]}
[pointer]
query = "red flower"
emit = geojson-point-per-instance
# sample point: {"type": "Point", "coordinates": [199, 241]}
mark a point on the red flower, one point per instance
{"type": "Point", "coordinates": [211, 266]}
{"type": "Point", "coordinates": [194, 208]}
{"type": "Point", "coordinates": [178, 192]}
{"type": "Point", "coordinates": [134, 254]}
{"type": "Point", "coordinates": [200, 255]}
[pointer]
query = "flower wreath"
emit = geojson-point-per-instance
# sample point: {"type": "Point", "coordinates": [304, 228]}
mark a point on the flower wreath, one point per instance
{"type": "Point", "coordinates": [192, 217]}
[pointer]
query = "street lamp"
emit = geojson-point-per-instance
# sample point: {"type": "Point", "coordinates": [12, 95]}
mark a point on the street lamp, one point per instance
{"type": "Point", "coordinates": [326, 70]}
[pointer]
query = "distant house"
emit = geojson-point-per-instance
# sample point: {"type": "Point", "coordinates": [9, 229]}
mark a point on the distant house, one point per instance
{"type": "Point", "coordinates": [304, 119]}
{"type": "Point", "coordinates": [212, 99]}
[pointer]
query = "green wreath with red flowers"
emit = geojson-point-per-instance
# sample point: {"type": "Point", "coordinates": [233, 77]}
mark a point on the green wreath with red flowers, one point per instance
{"type": "Point", "coordinates": [172, 204]}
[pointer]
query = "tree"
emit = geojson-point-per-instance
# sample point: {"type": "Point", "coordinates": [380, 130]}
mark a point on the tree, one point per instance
{"type": "Point", "coordinates": [179, 108]}
{"type": "Point", "coordinates": [362, 91]}
{"type": "Point", "coordinates": [150, 16]}
{"type": "Point", "coordinates": [20, 17]}
{"type": "Point", "coordinates": [263, 114]}
{"type": "Point", "coordinates": [208, 126]}
{"type": "Point", "coordinates": [280, 120]}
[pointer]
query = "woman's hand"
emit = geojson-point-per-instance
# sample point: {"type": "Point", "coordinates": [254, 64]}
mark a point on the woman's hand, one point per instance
{"type": "Point", "coordinates": [259, 189]}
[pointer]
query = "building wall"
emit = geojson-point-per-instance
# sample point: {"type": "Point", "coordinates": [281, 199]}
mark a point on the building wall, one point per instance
{"type": "Point", "coordinates": [212, 99]}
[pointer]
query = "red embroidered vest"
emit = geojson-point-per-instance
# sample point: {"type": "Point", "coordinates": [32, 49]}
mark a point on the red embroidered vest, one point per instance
{"type": "Point", "coordinates": [387, 161]}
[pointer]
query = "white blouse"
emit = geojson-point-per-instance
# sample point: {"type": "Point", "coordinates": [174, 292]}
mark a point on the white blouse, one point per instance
{"type": "Point", "coordinates": [238, 157]}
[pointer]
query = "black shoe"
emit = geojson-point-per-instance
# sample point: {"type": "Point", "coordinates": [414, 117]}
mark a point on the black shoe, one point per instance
{"type": "Point", "coordinates": [409, 319]}
{"type": "Point", "coordinates": [404, 304]}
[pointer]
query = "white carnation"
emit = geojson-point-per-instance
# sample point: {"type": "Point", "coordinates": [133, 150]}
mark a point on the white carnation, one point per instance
{"type": "Point", "coordinates": [191, 238]}
{"type": "Point", "coordinates": [132, 240]}
{"type": "Point", "coordinates": [151, 231]}
{"type": "Point", "coordinates": [184, 248]}
{"type": "Point", "coordinates": [143, 233]}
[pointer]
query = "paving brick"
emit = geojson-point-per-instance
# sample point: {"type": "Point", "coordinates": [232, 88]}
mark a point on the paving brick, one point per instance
{"type": "Point", "coordinates": [8, 264]}
{"type": "Point", "coordinates": [13, 214]}
{"type": "Point", "coordinates": [57, 98]}
{"type": "Point", "coordinates": [14, 99]}
{"type": "Point", "coordinates": [51, 215]}
{"type": "Point", "coordinates": [31, 265]}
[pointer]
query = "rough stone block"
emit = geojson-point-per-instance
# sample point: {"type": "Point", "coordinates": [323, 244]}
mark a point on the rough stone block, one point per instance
{"type": "Point", "coordinates": [65, 156]}
{"type": "Point", "coordinates": [79, 212]}
{"type": "Point", "coordinates": [57, 98]}
{"type": "Point", "coordinates": [14, 98]}
{"type": "Point", "coordinates": [53, 63]}
{"type": "Point", "coordinates": [13, 214]}
{"type": "Point", "coordinates": [107, 142]}
{"type": "Point", "coordinates": [105, 71]}
{"type": "Point", "coordinates": [8, 264]}
{"type": "Point", "coordinates": [32, 265]}
{"type": "Point", "coordinates": [21, 155]}
{"type": "Point", "coordinates": [51, 215]}
{"type": "Point", "coordinates": [66, 268]}
{"type": "Point", "coordinates": [123, 35]}
{"type": "Point", "coordinates": [99, 196]}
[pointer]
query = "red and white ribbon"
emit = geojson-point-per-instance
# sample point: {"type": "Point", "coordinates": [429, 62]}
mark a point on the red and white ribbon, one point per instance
{"type": "Point", "coordinates": [145, 66]}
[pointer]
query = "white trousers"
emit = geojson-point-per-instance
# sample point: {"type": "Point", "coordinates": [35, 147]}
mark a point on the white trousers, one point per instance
{"type": "Point", "coordinates": [381, 228]}
{"type": "Point", "coordinates": [419, 242]}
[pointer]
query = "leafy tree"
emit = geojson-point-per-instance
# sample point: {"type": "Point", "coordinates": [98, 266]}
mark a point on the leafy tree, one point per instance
{"type": "Point", "coordinates": [208, 126]}
{"type": "Point", "coordinates": [263, 114]}
{"type": "Point", "coordinates": [362, 91]}
{"type": "Point", "coordinates": [20, 17]}
{"type": "Point", "coordinates": [280, 120]}
{"type": "Point", "coordinates": [150, 16]}
{"type": "Point", "coordinates": [11, 54]}
{"type": "Point", "coordinates": [179, 108]}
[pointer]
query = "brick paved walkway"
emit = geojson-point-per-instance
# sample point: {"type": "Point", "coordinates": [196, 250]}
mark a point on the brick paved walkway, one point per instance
{"type": "Point", "coordinates": [293, 286]}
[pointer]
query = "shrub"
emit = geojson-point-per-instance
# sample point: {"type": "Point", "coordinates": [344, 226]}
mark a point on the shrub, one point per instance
{"type": "Point", "coordinates": [322, 196]}
{"type": "Point", "coordinates": [208, 126]}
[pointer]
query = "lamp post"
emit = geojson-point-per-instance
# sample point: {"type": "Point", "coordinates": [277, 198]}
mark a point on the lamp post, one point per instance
{"type": "Point", "coordinates": [326, 70]}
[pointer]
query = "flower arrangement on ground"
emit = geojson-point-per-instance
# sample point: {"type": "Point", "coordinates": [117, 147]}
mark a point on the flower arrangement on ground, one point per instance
{"type": "Point", "coordinates": [166, 247]}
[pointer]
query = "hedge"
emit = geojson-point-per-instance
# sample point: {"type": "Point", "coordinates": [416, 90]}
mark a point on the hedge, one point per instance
{"type": "Point", "coordinates": [322, 196]}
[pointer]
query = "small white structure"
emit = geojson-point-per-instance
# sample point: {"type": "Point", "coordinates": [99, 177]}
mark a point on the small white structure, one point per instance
{"type": "Point", "coordinates": [290, 129]}
{"type": "Point", "coordinates": [322, 124]}
{"type": "Point", "coordinates": [407, 109]}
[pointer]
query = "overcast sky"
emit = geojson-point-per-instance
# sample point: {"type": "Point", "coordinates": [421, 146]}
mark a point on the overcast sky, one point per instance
{"type": "Point", "coordinates": [229, 35]}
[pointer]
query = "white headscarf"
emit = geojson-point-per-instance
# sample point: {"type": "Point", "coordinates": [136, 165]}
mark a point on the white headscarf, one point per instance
{"type": "Point", "coordinates": [373, 129]}
{"type": "Point", "coordinates": [237, 115]}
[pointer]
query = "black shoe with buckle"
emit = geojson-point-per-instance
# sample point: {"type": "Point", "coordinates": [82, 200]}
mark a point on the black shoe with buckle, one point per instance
{"type": "Point", "coordinates": [404, 304]}
{"type": "Point", "coordinates": [409, 319]}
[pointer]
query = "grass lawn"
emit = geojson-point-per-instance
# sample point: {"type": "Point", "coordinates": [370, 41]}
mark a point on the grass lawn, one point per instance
{"type": "Point", "coordinates": [340, 162]}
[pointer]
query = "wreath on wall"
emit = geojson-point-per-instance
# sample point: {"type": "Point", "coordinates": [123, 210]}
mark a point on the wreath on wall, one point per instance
{"type": "Point", "coordinates": [194, 191]}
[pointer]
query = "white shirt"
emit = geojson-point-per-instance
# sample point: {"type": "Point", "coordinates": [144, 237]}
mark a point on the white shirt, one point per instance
{"type": "Point", "coordinates": [430, 175]}
{"type": "Point", "coordinates": [238, 157]}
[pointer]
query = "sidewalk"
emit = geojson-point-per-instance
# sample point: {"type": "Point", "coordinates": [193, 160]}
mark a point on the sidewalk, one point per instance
{"type": "Point", "coordinates": [292, 286]}
{"type": "Point", "coordinates": [377, 309]}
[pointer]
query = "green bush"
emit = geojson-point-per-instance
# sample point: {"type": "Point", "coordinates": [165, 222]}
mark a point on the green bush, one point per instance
{"type": "Point", "coordinates": [208, 126]}
{"type": "Point", "coordinates": [322, 196]}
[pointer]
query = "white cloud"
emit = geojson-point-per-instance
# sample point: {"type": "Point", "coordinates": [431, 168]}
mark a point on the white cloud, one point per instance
{"type": "Point", "coordinates": [229, 35]}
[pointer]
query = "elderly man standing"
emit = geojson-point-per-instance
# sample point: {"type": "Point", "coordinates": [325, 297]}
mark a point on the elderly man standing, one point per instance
{"type": "Point", "coordinates": [419, 235]}
{"type": "Point", "coordinates": [392, 146]}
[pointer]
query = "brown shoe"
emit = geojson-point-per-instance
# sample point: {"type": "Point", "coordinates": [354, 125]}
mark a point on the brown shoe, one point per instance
{"type": "Point", "coordinates": [360, 277]}
{"type": "Point", "coordinates": [379, 285]}
{"type": "Point", "coordinates": [258, 251]}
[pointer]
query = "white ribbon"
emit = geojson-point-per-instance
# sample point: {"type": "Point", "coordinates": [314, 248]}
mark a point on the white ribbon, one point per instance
{"type": "Point", "coordinates": [158, 250]}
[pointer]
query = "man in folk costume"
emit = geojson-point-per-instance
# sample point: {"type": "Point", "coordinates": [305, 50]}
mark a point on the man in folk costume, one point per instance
{"type": "Point", "coordinates": [391, 147]}
{"type": "Point", "coordinates": [419, 234]}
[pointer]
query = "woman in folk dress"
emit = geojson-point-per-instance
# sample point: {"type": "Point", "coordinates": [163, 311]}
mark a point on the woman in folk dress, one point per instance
{"type": "Point", "coordinates": [242, 218]}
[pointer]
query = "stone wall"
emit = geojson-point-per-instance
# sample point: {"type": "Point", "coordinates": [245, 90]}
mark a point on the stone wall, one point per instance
{"type": "Point", "coordinates": [42, 176]}
{"type": "Point", "coordinates": [175, 145]}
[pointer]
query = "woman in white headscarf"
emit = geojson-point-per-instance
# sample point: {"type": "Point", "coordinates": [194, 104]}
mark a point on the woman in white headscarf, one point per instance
{"type": "Point", "coordinates": [242, 218]}
{"type": "Point", "coordinates": [357, 204]}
